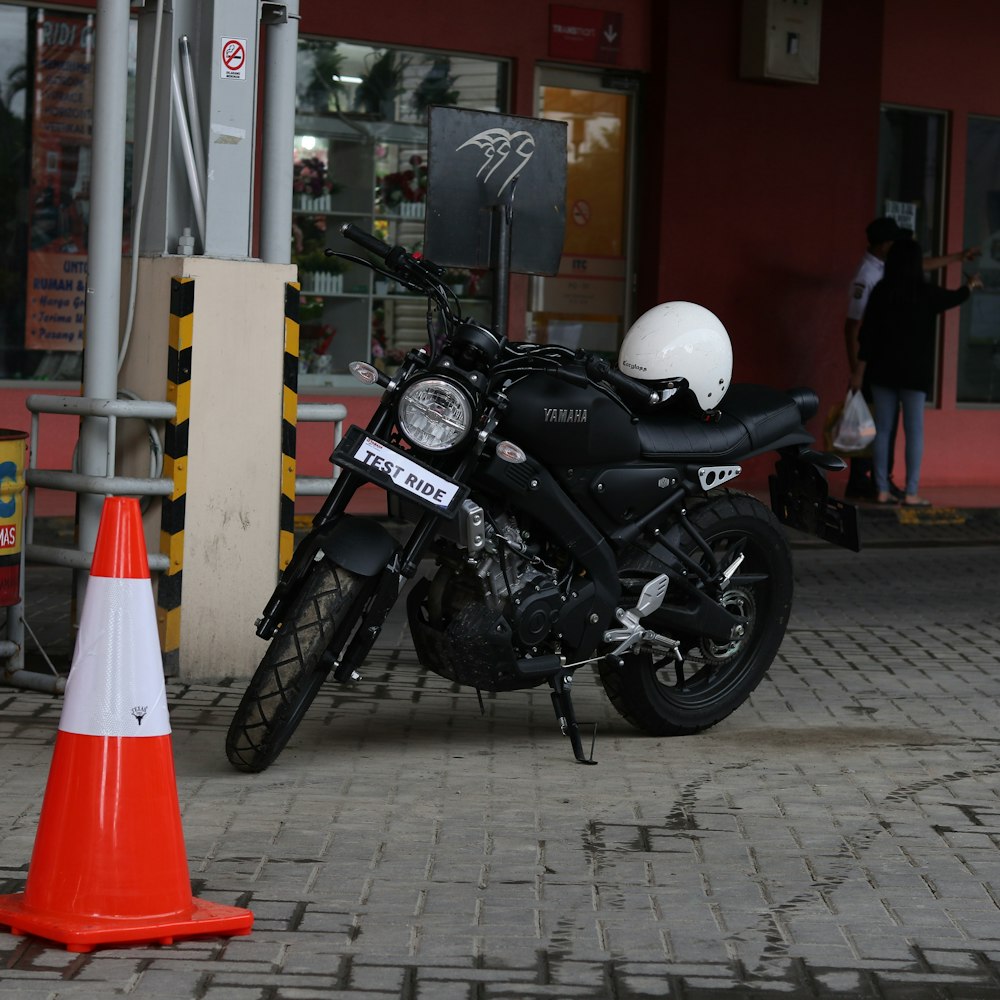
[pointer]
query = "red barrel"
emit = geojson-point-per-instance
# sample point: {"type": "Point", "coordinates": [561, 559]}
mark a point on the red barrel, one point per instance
{"type": "Point", "coordinates": [13, 450]}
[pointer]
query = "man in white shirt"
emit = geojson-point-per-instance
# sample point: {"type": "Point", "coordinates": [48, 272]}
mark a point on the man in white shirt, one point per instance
{"type": "Point", "coordinates": [881, 233]}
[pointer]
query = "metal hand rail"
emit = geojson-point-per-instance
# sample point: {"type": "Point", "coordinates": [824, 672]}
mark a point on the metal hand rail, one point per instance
{"type": "Point", "coordinates": [12, 648]}
{"type": "Point", "coordinates": [75, 482]}
{"type": "Point", "coordinates": [316, 486]}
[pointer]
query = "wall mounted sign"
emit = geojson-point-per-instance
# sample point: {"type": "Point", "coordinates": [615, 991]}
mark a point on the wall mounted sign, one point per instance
{"type": "Point", "coordinates": [584, 34]}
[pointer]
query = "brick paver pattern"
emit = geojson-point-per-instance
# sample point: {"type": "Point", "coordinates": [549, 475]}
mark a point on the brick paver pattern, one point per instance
{"type": "Point", "coordinates": [837, 837]}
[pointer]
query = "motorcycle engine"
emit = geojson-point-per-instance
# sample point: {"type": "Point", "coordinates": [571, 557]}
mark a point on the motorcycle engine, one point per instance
{"type": "Point", "coordinates": [479, 614]}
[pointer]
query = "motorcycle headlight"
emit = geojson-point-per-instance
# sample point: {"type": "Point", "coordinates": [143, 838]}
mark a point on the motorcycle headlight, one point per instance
{"type": "Point", "coordinates": [434, 414]}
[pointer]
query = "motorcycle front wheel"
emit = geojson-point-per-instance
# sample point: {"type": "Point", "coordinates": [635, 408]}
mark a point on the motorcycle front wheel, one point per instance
{"type": "Point", "coordinates": [667, 696]}
{"type": "Point", "coordinates": [323, 617]}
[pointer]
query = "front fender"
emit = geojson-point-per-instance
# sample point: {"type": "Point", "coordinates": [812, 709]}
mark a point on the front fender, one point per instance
{"type": "Point", "coordinates": [357, 544]}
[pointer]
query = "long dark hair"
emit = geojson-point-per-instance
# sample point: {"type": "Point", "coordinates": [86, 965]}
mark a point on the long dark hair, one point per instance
{"type": "Point", "coordinates": [904, 271]}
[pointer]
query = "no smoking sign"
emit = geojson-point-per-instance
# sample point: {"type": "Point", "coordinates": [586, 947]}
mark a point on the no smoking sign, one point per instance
{"type": "Point", "coordinates": [233, 63]}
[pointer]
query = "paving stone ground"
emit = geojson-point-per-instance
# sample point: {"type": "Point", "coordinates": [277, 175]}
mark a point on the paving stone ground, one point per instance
{"type": "Point", "coordinates": [837, 837]}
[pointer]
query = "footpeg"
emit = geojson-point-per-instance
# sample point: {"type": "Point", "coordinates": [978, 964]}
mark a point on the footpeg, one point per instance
{"type": "Point", "coordinates": [650, 599]}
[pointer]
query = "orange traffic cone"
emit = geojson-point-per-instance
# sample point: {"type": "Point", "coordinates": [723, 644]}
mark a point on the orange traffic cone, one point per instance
{"type": "Point", "coordinates": [109, 864]}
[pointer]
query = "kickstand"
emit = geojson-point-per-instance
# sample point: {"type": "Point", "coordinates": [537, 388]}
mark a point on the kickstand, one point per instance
{"type": "Point", "coordinates": [563, 704]}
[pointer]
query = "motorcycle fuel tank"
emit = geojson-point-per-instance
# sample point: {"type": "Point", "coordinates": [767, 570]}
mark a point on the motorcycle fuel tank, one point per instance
{"type": "Point", "coordinates": [565, 424]}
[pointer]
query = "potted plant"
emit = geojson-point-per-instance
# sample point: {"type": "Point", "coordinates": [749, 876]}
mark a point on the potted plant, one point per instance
{"type": "Point", "coordinates": [308, 254]}
{"type": "Point", "coordinates": [404, 191]}
{"type": "Point", "coordinates": [437, 87]}
{"type": "Point", "coordinates": [386, 359]}
{"type": "Point", "coordinates": [321, 89]}
{"type": "Point", "coordinates": [312, 186]}
{"type": "Point", "coordinates": [380, 85]}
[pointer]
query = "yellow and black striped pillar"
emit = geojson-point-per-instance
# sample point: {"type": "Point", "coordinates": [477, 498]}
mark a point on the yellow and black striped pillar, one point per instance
{"type": "Point", "coordinates": [289, 424]}
{"type": "Point", "coordinates": [175, 466]}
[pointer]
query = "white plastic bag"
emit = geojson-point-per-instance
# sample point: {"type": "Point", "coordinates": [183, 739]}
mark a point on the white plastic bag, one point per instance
{"type": "Point", "coordinates": [855, 430]}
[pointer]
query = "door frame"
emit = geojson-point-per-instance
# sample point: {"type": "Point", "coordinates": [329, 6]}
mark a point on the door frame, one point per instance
{"type": "Point", "coordinates": [602, 80]}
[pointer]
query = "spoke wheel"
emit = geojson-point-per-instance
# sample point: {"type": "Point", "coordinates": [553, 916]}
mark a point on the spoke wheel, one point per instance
{"type": "Point", "coordinates": [669, 696]}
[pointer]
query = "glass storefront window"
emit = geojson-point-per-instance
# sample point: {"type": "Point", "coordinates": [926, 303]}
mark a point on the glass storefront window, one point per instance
{"type": "Point", "coordinates": [360, 156]}
{"type": "Point", "coordinates": [979, 337]}
{"type": "Point", "coordinates": [393, 85]}
{"type": "Point", "coordinates": [15, 79]}
{"type": "Point", "coordinates": [46, 74]}
{"type": "Point", "coordinates": [360, 153]}
{"type": "Point", "coordinates": [911, 172]}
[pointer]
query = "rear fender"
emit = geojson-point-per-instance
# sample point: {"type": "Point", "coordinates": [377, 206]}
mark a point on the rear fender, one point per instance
{"type": "Point", "coordinates": [800, 498]}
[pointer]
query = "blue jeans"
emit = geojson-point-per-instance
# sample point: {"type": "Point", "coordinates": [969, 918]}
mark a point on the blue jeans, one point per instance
{"type": "Point", "coordinates": [887, 401]}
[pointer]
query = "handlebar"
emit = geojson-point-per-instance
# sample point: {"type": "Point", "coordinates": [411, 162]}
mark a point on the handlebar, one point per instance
{"type": "Point", "coordinates": [396, 259]}
{"type": "Point", "coordinates": [630, 389]}
{"type": "Point", "coordinates": [365, 240]}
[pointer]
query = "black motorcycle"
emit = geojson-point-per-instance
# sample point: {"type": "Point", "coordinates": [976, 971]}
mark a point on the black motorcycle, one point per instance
{"type": "Point", "coordinates": [577, 517]}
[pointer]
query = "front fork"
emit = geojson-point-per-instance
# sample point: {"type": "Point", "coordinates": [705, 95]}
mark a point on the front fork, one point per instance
{"type": "Point", "coordinates": [328, 516]}
{"type": "Point", "coordinates": [375, 613]}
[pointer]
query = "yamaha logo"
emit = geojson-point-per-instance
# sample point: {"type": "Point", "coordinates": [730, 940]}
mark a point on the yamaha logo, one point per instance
{"type": "Point", "coordinates": [552, 415]}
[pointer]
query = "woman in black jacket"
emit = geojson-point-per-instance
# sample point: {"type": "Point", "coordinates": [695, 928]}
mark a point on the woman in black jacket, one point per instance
{"type": "Point", "coordinates": [897, 343]}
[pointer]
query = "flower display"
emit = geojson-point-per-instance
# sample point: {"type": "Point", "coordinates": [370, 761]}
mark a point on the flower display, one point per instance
{"type": "Point", "coordinates": [309, 243]}
{"type": "Point", "coordinates": [392, 355]}
{"type": "Point", "coordinates": [382, 353]}
{"type": "Point", "coordinates": [386, 355]}
{"type": "Point", "coordinates": [404, 186]}
{"type": "Point", "coordinates": [311, 177]}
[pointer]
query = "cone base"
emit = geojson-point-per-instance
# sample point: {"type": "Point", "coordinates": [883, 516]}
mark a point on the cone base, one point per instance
{"type": "Point", "coordinates": [82, 934]}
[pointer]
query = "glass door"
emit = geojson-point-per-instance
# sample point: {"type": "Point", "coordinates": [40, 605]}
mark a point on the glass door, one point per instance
{"type": "Point", "coordinates": [911, 162]}
{"type": "Point", "coordinates": [589, 302]}
{"type": "Point", "coordinates": [979, 340]}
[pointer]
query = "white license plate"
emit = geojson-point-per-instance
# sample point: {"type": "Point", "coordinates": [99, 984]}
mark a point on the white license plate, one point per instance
{"type": "Point", "coordinates": [406, 474]}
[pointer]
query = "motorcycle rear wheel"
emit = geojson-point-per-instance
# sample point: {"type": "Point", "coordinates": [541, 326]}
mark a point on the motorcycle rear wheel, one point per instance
{"type": "Point", "coordinates": [294, 668]}
{"type": "Point", "coordinates": [663, 699]}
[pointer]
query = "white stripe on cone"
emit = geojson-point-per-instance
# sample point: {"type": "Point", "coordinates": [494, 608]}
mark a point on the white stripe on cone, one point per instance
{"type": "Point", "coordinates": [115, 685]}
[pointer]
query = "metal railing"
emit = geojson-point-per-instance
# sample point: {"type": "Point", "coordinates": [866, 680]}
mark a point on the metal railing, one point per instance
{"type": "Point", "coordinates": [76, 482]}
{"type": "Point", "coordinates": [336, 413]}
{"type": "Point", "coordinates": [12, 648]}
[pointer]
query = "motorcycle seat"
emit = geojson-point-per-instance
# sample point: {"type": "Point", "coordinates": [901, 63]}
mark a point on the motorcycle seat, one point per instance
{"type": "Point", "coordinates": [752, 418]}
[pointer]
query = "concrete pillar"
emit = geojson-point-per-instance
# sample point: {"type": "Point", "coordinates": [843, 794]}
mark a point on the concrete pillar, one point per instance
{"type": "Point", "coordinates": [233, 469]}
{"type": "Point", "coordinates": [224, 552]}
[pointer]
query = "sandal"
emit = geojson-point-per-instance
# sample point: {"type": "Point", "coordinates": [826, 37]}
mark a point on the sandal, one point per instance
{"type": "Point", "coordinates": [917, 502]}
{"type": "Point", "coordinates": [886, 500]}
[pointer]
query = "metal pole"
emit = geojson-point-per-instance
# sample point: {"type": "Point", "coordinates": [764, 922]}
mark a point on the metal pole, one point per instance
{"type": "Point", "coordinates": [503, 220]}
{"type": "Point", "coordinates": [278, 133]}
{"type": "Point", "coordinates": [104, 248]}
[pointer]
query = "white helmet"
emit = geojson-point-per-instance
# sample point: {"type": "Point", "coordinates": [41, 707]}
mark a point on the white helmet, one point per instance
{"type": "Point", "coordinates": [680, 340]}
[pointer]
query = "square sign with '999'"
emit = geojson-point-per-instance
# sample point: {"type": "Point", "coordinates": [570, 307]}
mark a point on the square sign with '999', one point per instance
{"type": "Point", "coordinates": [480, 160]}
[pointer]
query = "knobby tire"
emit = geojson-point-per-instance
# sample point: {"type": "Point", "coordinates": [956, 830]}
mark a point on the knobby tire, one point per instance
{"type": "Point", "coordinates": [294, 668]}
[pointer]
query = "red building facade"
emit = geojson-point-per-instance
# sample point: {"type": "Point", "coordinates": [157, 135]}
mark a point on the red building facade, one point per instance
{"type": "Point", "coordinates": [749, 196]}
